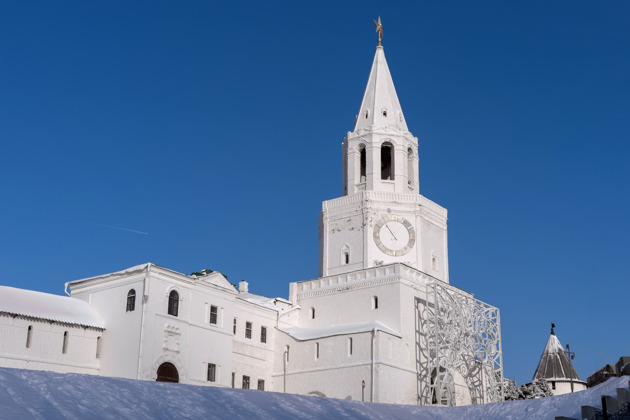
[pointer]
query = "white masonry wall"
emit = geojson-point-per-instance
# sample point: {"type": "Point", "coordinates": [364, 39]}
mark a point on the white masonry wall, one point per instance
{"type": "Point", "coordinates": [46, 344]}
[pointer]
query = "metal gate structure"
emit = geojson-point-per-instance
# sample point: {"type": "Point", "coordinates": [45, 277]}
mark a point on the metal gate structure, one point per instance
{"type": "Point", "coordinates": [457, 338]}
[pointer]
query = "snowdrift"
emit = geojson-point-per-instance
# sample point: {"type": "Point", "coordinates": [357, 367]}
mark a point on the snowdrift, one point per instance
{"type": "Point", "coordinates": [29, 394]}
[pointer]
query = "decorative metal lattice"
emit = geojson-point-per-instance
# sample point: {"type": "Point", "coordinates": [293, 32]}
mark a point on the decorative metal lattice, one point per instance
{"type": "Point", "coordinates": [458, 349]}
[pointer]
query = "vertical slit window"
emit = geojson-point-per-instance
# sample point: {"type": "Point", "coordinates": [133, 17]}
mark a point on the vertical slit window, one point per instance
{"type": "Point", "coordinates": [350, 346]}
{"type": "Point", "coordinates": [233, 379]}
{"type": "Point", "coordinates": [312, 313]}
{"type": "Point", "coordinates": [374, 302]}
{"type": "Point", "coordinates": [64, 349]}
{"type": "Point", "coordinates": [173, 303]}
{"type": "Point", "coordinates": [98, 347]}
{"type": "Point", "coordinates": [316, 350]}
{"type": "Point", "coordinates": [131, 300]}
{"type": "Point", "coordinates": [234, 327]}
{"type": "Point", "coordinates": [29, 336]}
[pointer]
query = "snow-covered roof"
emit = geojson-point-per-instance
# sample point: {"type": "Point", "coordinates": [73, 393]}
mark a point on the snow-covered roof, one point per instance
{"type": "Point", "coordinates": [49, 307]}
{"type": "Point", "coordinates": [262, 300]}
{"type": "Point", "coordinates": [302, 334]}
{"type": "Point", "coordinates": [554, 363]}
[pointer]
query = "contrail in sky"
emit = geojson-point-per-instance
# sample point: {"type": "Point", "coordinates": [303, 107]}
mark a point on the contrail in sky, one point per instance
{"type": "Point", "coordinates": [121, 228]}
{"type": "Point", "coordinates": [105, 226]}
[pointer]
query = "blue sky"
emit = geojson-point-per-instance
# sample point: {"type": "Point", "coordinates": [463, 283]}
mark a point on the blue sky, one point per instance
{"type": "Point", "coordinates": [206, 135]}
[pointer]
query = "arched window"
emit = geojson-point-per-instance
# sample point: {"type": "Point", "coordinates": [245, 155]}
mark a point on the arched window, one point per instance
{"type": "Point", "coordinates": [410, 167]}
{"type": "Point", "coordinates": [173, 303]}
{"type": "Point", "coordinates": [362, 163]}
{"type": "Point", "coordinates": [131, 300]}
{"type": "Point", "coordinates": [387, 161]}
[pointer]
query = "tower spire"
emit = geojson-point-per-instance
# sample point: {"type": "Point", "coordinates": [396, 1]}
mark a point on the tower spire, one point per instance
{"type": "Point", "coordinates": [380, 106]}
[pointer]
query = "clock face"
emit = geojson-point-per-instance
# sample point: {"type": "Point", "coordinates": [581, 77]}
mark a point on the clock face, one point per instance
{"type": "Point", "coordinates": [394, 235]}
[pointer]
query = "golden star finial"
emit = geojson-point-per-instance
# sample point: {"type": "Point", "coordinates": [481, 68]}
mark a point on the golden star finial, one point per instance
{"type": "Point", "coordinates": [379, 29]}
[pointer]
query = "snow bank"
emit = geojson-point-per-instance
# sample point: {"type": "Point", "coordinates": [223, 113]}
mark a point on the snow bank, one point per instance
{"type": "Point", "coordinates": [28, 394]}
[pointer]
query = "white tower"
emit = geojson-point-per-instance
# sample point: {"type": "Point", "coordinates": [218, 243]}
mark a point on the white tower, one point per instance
{"type": "Point", "coordinates": [382, 218]}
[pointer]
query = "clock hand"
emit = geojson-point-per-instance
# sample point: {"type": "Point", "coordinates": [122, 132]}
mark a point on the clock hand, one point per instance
{"type": "Point", "coordinates": [390, 231]}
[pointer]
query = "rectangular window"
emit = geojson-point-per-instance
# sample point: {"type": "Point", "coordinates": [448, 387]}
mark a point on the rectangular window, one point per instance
{"type": "Point", "coordinates": [261, 385]}
{"type": "Point", "coordinates": [245, 382]}
{"type": "Point", "coordinates": [233, 379]}
{"type": "Point", "coordinates": [213, 315]}
{"type": "Point", "coordinates": [263, 334]}
{"type": "Point", "coordinates": [248, 329]}
{"type": "Point", "coordinates": [234, 327]}
{"type": "Point", "coordinates": [212, 372]}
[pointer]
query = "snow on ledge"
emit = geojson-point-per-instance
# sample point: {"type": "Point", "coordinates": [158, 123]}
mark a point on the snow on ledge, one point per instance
{"type": "Point", "coordinates": [49, 307]}
{"type": "Point", "coordinates": [302, 334]}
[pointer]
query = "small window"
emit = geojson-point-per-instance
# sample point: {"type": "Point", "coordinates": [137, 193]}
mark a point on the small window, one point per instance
{"type": "Point", "coordinates": [261, 385]}
{"type": "Point", "coordinates": [286, 354]}
{"type": "Point", "coordinates": [434, 262]}
{"type": "Point", "coordinates": [212, 372]}
{"type": "Point", "coordinates": [263, 334]}
{"type": "Point", "coordinates": [234, 327]}
{"type": "Point", "coordinates": [312, 313]}
{"type": "Point", "coordinates": [345, 258]}
{"type": "Point", "coordinates": [374, 302]}
{"type": "Point", "coordinates": [248, 329]}
{"type": "Point", "coordinates": [350, 346]}
{"type": "Point", "coordinates": [173, 303]}
{"type": "Point", "coordinates": [64, 349]}
{"type": "Point", "coordinates": [213, 315]}
{"type": "Point", "coordinates": [553, 385]}
{"type": "Point", "coordinates": [245, 382]}
{"type": "Point", "coordinates": [366, 113]}
{"type": "Point", "coordinates": [384, 112]}
{"type": "Point", "coordinates": [131, 300]}
{"type": "Point", "coordinates": [316, 350]}
{"type": "Point", "coordinates": [29, 336]}
{"type": "Point", "coordinates": [233, 379]}
{"type": "Point", "coordinates": [98, 347]}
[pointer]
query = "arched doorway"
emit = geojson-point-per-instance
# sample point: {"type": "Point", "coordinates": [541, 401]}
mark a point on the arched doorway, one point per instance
{"type": "Point", "coordinates": [167, 372]}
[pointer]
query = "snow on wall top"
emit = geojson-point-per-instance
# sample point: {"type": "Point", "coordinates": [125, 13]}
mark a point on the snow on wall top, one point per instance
{"type": "Point", "coordinates": [302, 334]}
{"type": "Point", "coordinates": [554, 363]}
{"type": "Point", "coordinates": [49, 307]}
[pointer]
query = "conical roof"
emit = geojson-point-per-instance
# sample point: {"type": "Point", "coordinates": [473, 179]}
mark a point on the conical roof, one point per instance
{"type": "Point", "coordinates": [380, 106]}
{"type": "Point", "coordinates": [554, 363]}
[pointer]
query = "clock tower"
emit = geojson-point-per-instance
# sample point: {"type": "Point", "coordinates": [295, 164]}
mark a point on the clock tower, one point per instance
{"type": "Point", "coordinates": [381, 217]}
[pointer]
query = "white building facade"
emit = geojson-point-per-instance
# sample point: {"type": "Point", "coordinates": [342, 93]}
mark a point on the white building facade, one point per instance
{"type": "Point", "coordinates": [381, 322]}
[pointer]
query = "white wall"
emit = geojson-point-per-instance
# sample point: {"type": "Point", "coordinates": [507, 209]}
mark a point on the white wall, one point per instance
{"type": "Point", "coordinates": [45, 350]}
